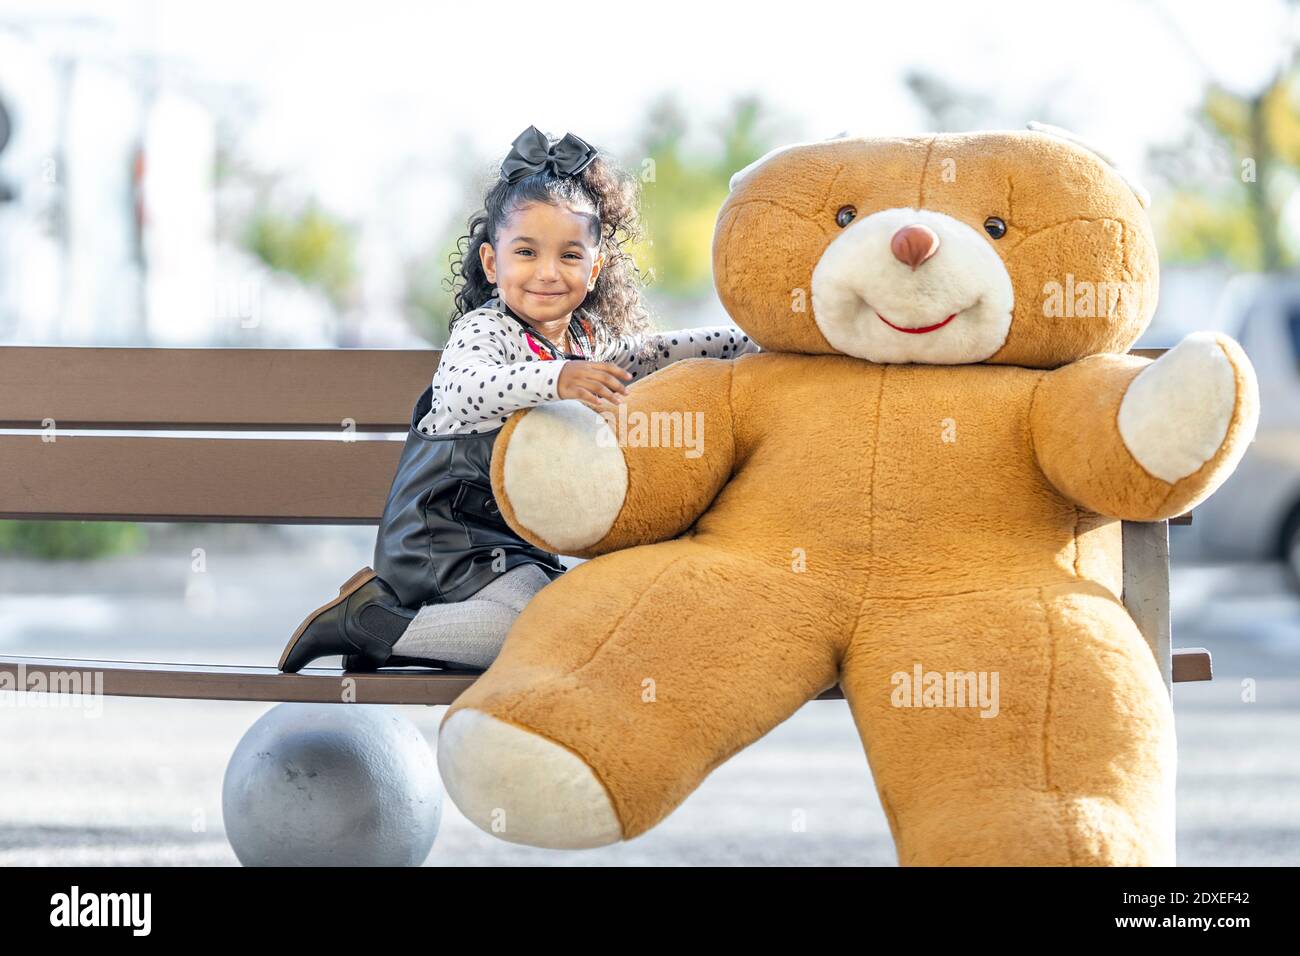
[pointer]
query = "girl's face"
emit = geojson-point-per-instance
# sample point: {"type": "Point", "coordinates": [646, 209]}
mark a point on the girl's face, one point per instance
{"type": "Point", "coordinates": [544, 264]}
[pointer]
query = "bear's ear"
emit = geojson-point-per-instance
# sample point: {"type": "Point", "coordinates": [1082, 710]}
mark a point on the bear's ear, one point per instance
{"type": "Point", "coordinates": [1142, 195]}
{"type": "Point", "coordinates": [740, 174]}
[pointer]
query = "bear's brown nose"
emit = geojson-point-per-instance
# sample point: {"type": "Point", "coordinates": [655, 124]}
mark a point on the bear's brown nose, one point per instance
{"type": "Point", "coordinates": [913, 244]}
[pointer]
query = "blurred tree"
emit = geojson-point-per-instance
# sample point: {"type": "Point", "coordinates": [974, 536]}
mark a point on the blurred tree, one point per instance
{"type": "Point", "coordinates": [682, 191]}
{"type": "Point", "coordinates": [310, 244]}
{"type": "Point", "coordinates": [427, 292]}
{"type": "Point", "coordinates": [949, 109]}
{"type": "Point", "coordinates": [261, 212]}
{"type": "Point", "coordinates": [1231, 177]}
{"type": "Point", "coordinates": [55, 540]}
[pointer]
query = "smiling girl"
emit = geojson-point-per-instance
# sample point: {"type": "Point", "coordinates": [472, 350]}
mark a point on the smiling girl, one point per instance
{"type": "Point", "coordinates": [548, 307]}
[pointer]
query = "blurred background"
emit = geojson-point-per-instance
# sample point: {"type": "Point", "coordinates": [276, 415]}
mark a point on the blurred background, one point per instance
{"type": "Point", "coordinates": [287, 174]}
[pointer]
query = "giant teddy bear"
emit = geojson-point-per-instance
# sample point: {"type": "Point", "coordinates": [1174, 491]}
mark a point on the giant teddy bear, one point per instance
{"type": "Point", "coordinates": [924, 468]}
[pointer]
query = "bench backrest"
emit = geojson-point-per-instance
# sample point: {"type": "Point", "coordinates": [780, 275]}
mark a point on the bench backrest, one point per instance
{"type": "Point", "coordinates": [358, 393]}
{"type": "Point", "coordinates": [301, 480]}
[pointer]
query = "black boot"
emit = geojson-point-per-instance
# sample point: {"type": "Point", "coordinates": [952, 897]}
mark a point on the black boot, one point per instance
{"type": "Point", "coordinates": [359, 662]}
{"type": "Point", "coordinates": [362, 624]}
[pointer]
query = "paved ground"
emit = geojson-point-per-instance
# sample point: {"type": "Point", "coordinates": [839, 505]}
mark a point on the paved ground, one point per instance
{"type": "Point", "coordinates": [141, 784]}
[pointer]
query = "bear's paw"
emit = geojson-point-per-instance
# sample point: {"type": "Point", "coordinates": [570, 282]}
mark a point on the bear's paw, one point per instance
{"type": "Point", "coordinates": [1175, 414]}
{"type": "Point", "coordinates": [564, 475]}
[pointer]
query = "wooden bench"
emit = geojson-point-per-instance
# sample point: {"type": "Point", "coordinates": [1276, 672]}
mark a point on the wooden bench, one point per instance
{"type": "Point", "coordinates": [51, 390]}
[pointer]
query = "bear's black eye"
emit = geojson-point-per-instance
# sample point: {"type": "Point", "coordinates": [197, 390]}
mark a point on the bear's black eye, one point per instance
{"type": "Point", "coordinates": [845, 216]}
{"type": "Point", "coordinates": [995, 227]}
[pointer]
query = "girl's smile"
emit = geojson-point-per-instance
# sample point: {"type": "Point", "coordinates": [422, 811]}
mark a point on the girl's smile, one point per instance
{"type": "Point", "coordinates": [543, 264]}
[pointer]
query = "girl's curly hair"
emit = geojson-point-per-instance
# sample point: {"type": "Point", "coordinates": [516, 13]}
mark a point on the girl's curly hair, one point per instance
{"type": "Point", "coordinates": [610, 195]}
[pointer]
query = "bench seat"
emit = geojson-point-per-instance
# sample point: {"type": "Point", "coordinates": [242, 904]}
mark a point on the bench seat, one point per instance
{"type": "Point", "coordinates": [322, 685]}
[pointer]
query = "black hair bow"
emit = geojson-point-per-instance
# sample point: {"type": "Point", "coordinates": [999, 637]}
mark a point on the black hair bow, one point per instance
{"type": "Point", "coordinates": [531, 152]}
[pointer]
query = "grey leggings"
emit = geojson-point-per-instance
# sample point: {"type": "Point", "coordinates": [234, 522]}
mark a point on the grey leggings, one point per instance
{"type": "Point", "coordinates": [471, 632]}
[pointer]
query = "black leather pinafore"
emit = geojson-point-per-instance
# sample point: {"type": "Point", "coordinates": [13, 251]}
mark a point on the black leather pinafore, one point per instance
{"type": "Point", "coordinates": [441, 530]}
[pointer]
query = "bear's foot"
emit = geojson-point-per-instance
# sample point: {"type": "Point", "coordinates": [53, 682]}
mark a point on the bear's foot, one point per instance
{"type": "Point", "coordinates": [519, 786]}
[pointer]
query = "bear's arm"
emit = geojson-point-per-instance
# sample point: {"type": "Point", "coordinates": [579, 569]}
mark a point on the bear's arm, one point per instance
{"type": "Point", "coordinates": [1143, 441]}
{"type": "Point", "coordinates": [577, 482]}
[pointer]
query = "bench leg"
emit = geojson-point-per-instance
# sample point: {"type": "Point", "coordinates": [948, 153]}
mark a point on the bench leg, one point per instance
{"type": "Point", "coordinates": [1146, 588]}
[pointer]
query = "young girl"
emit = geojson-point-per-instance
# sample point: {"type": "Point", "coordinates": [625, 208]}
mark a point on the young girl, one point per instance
{"type": "Point", "coordinates": [547, 307]}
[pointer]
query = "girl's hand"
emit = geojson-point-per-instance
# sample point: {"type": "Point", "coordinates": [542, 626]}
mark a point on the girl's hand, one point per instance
{"type": "Point", "coordinates": [596, 384]}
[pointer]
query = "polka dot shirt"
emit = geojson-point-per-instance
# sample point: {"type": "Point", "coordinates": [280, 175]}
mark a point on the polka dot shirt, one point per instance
{"type": "Point", "coordinates": [493, 366]}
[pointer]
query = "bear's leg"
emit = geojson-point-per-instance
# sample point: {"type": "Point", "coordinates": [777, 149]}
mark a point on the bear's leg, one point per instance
{"type": "Point", "coordinates": [1022, 727]}
{"type": "Point", "coordinates": [625, 682]}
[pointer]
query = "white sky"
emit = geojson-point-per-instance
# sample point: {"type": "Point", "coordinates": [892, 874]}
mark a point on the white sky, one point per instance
{"type": "Point", "coordinates": [355, 93]}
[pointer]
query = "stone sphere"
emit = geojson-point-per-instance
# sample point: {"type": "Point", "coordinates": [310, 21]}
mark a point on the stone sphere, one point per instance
{"type": "Point", "coordinates": [332, 785]}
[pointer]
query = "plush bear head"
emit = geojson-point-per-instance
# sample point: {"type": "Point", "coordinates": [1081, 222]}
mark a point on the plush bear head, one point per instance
{"type": "Point", "coordinates": [1016, 248]}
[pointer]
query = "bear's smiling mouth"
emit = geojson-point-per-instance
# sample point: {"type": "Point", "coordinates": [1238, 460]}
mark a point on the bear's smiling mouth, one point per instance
{"type": "Point", "coordinates": [922, 329]}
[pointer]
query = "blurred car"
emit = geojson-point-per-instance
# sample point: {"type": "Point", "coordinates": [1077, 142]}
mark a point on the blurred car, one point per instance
{"type": "Point", "coordinates": [1256, 514]}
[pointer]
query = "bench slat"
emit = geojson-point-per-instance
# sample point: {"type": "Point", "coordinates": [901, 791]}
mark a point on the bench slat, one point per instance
{"type": "Point", "coordinates": [325, 685]}
{"type": "Point", "coordinates": [1192, 664]}
{"type": "Point", "coordinates": [254, 480]}
{"type": "Point", "coordinates": [212, 388]}
{"type": "Point", "coordinates": [249, 480]}
{"type": "Point", "coordinates": [189, 389]}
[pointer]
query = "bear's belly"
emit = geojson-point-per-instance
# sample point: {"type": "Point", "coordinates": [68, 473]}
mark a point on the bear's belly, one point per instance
{"type": "Point", "coordinates": [922, 478]}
